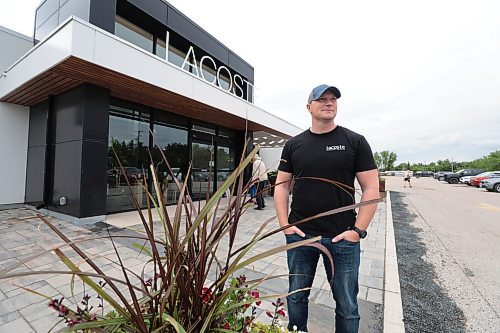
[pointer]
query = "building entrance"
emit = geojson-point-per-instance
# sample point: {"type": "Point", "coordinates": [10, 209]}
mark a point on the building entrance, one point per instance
{"type": "Point", "coordinates": [202, 174]}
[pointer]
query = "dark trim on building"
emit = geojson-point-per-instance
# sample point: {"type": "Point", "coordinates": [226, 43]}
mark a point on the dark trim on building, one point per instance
{"type": "Point", "coordinates": [38, 141]}
{"type": "Point", "coordinates": [102, 13]}
{"type": "Point", "coordinates": [74, 152]}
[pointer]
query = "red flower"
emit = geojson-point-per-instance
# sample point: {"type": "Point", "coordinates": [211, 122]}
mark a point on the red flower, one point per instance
{"type": "Point", "coordinates": [281, 312]}
{"type": "Point", "coordinates": [269, 314]}
{"type": "Point", "coordinates": [149, 282]}
{"type": "Point", "coordinates": [226, 326]}
{"type": "Point", "coordinates": [63, 310]}
{"type": "Point", "coordinates": [255, 294]}
{"type": "Point", "coordinates": [54, 304]}
{"type": "Point", "coordinates": [206, 294]}
{"type": "Point", "coordinates": [72, 322]}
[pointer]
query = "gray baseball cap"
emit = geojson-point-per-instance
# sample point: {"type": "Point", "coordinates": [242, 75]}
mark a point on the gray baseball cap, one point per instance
{"type": "Point", "coordinates": [320, 90]}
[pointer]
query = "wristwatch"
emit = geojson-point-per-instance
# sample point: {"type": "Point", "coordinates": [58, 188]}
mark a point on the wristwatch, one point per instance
{"type": "Point", "coordinates": [362, 233]}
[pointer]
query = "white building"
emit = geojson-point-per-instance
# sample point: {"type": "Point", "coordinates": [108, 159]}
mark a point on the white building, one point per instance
{"type": "Point", "coordinates": [104, 74]}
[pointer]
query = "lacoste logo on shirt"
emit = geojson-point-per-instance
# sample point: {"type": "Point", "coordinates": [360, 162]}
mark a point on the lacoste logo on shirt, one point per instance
{"type": "Point", "coordinates": [332, 148]}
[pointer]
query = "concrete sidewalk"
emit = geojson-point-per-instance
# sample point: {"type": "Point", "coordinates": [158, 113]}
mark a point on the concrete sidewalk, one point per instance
{"type": "Point", "coordinates": [23, 235]}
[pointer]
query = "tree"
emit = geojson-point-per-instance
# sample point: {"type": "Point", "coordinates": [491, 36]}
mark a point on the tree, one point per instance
{"type": "Point", "coordinates": [401, 166]}
{"type": "Point", "coordinates": [385, 159]}
{"type": "Point", "coordinates": [378, 160]}
{"type": "Point", "coordinates": [490, 162]}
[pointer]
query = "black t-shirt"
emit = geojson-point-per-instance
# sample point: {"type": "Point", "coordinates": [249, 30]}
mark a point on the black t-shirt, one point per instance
{"type": "Point", "coordinates": [337, 155]}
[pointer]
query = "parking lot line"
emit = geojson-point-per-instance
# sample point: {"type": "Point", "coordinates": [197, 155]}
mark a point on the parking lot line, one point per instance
{"type": "Point", "coordinates": [490, 207]}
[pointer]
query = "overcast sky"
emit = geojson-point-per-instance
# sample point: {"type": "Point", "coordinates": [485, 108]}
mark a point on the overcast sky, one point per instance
{"type": "Point", "coordinates": [419, 78]}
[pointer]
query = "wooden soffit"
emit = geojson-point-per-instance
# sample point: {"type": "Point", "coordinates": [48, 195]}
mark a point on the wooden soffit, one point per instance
{"type": "Point", "coordinates": [74, 71]}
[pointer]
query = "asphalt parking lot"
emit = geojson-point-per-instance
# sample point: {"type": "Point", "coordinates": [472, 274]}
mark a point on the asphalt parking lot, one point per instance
{"type": "Point", "coordinates": [448, 244]}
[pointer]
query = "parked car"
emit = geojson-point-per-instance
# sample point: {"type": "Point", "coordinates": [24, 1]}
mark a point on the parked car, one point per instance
{"type": "Point", "coordinates": [491, 184]}
{"type": "Point", "coordinates": [116, 176]}
{"type": "Point", "coordinates": [454, 178]}
{"type": "Point", "coordinates": [440, 174]}
{"type": "Point", "coordinates": [476, 180]}
{"type": "Point", "coordinates": [419, 174]}
{"type": "Point", "coordinates": [465, 180]}
{"type": "Point", "coordinates": [133, 174]}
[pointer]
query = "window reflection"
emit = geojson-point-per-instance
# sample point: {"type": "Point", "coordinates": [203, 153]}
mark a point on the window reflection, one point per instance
{"type": "Point", "coordinates": [177, 50]}
{"type": "Point", "coordinates": [202, 171]}
{"type": "Point", "coordinates": [212, 158]}
{"type": "Point", "coordinates": [129, 137]}
{"type": "Point", "coordinates": [226, 159]}
{"type": "Point", "coordinates": [161, 48]}
{"type": "Point", "coordinates": [224, 82]}
{"type": "Point", "coordinates": [173, 143]}
{"type": "Point", "coordinates": [132, 33]}
{"type": "Point", "coordinates": [204, 129]}
{"type": "Point", "coordinates": [176, 56]}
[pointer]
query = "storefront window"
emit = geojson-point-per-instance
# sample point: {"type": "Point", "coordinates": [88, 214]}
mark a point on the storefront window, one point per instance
{"type": "Point", "coordinates": [224, 82]}
{"type": "Point", "coordinates": [226, 159]}
{"type": "Point", "coordinates": [132, 33]}
{"type": "Point", "coordinates": [226, 133]}
{"type": "Point", "coordinates": [211, 156]}
{"type": "Point", "coordinates": [202, 175]}
{"type": "Point", "coordinates": [174, 144]}
{"type": "Point", "coordinates": [204, 129]}
{"type": "Point", "coordinates": [160, 48]}
{"type": "Point", "coordinates": [129, 138]}
{"type": "Point", "coordinates": [175, 56]}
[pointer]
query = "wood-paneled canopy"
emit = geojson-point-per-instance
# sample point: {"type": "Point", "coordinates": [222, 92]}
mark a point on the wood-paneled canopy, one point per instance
{"type": "Point", "coordinates": [74, 71]}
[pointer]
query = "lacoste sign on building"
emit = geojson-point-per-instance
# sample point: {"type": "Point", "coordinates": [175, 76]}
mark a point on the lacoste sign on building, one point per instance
{"type": "Point", "coordinates": [236, 82]}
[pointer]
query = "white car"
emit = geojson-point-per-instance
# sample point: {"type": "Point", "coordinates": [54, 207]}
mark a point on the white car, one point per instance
{"type": "Point", "coordinates": [465, 180]}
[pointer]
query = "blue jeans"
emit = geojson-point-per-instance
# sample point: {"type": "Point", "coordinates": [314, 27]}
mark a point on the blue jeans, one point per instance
{"type": "Point", "coordinates": [302, 262]}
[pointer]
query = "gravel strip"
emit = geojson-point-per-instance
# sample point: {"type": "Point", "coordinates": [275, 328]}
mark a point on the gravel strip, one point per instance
{"type": "Point", "coordinates": [426, 306]}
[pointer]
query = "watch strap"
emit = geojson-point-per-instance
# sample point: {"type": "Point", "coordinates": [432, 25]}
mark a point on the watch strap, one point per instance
{"type": "Point", "coordinates": [362, 233]}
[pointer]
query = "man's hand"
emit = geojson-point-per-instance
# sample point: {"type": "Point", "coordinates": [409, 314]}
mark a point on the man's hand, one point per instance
{"type": "Point", "coordinates": [349, 235]}
{"type": "Point", "coordinates": [294, 230]}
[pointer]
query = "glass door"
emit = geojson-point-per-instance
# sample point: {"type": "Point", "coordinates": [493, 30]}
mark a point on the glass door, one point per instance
{"type": "Point", "coordinates": [226, 161]}
{"type": "Point", "coordinates": [202, 173]}
{"type": "Point", "coordinates": [129, 137]}
{"type": "Point", "coordinates": [173, 143]}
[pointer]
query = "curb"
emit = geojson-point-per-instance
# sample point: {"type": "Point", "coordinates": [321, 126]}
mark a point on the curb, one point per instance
{"type": "Point", "coordinates": [393, 308]}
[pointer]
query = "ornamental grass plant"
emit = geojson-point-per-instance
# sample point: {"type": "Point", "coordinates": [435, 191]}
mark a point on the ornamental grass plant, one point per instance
{"type": "Point", "coordinates": [189, 283]}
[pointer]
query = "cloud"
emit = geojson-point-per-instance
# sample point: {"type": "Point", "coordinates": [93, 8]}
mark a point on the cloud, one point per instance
{"type": "Point", "coordinates": [417, 78]}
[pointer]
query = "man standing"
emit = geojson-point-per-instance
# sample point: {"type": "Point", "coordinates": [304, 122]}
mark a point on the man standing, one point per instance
{"type": "Point", "coordinates": [259, 177]}
{"type": "Point", "coordinates": [328, 151]}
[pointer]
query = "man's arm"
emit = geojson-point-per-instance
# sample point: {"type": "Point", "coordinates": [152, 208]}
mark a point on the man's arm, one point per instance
{"type": "Point", "coordinates": [369, 188]}
{"type": "Point", "coordinates": [281, 194]}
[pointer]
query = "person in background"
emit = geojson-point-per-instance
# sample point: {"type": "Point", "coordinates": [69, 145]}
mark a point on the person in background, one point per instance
{"type": "Point", "coordinates": [252, 191]}
{"type": "Point", "coordinates": [407, 178]}
{"type": "Point", "coordinates": [259, 177]}
{"type": "Point", "coordinates": [331, 152]}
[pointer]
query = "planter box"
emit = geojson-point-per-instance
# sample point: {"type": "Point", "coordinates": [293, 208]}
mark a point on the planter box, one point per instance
{"type": "Point", "coordinates": [381, 186]}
